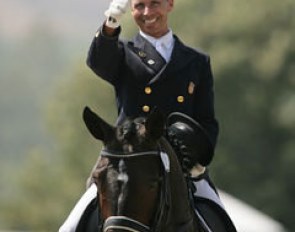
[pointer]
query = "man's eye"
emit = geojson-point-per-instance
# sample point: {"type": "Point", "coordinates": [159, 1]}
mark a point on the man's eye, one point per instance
{"type": "Point", "coordinates": [155, 4]}
{"type": "Point", "coordinates": [139, 6]}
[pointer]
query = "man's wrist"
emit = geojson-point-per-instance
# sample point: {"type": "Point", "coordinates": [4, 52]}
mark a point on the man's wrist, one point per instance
{"type": "Point", "coordinates": [109, 31]}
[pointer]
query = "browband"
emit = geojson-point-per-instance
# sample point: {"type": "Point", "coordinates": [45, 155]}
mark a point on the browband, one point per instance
{"type": "Point", "coordinates": [110, 154]}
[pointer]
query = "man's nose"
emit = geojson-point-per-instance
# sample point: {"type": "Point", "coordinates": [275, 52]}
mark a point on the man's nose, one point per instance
{"type": "Point", "coordinates": [147, 10]}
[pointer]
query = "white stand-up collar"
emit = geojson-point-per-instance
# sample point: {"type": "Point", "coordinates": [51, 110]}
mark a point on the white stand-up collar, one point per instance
{"type": "Point", "coordinates": [164, 45]}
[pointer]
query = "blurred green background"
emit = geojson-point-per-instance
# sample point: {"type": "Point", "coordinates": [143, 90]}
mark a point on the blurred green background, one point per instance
{"type": "Point", "coordinates": [46, 154]}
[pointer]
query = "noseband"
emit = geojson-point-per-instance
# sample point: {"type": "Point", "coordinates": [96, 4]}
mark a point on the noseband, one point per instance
{"type": "Point", "coordinates": [124, 223]}
{"type": "Point", "coordinates": [129, 224]}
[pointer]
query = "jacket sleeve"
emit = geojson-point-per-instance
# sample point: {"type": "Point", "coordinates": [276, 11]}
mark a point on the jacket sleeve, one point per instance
{"type": "Point", "coordinates": [204, 110]}
{"type": "Point", "coordinates": [105, 55]}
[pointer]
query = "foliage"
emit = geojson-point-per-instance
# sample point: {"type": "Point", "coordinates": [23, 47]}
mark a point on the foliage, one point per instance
{"type": "Point", "coordinates": [77, 149]}
{"type": "Point", "coordinates": [38, 183]}
{"type": "Point", "coordinates": [50, 184]}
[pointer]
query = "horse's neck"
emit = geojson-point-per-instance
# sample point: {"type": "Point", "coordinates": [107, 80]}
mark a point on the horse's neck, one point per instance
{"type": "Point", "coordinates": [180, 205]}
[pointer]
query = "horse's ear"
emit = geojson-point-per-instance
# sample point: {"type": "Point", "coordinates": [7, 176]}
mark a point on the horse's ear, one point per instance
{"type": "Point", "coordinates": [99, 128]}
{"type": "Point", "coordinates": [155, 124]}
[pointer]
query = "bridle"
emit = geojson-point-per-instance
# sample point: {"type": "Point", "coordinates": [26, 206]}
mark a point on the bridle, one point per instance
{"type": "Point", "coordinates": [120, 155]}
{"type": "Point", "coordinates": [124, 223]}
{"type": "Point", "coordinates": [129, 224]}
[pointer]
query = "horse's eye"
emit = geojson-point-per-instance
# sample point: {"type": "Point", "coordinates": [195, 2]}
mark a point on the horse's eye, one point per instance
{"type": "Point", "coordinates": [99, 174]}
{"type": "Point", "coordinates": [95, 176]}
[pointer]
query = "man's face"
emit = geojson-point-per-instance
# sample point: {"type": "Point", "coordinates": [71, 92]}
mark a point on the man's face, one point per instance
{"type": "Point", "coordinates": [151, 15]}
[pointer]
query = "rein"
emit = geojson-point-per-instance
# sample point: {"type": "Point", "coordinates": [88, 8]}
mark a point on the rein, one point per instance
{"type": "Point", "coordinates": [129, 224]}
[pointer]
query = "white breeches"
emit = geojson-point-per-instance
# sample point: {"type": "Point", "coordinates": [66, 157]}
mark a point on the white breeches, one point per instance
{"type": "Point", "coordinates": [73, 219]}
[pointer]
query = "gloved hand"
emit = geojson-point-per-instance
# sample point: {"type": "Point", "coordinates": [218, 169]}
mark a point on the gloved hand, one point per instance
{"type": "Point", "coordinates": [181, 137]}
{"type": "Point", "coordinates": [115, 12]}
{"type": "Point", "coordinates": [189, 140]}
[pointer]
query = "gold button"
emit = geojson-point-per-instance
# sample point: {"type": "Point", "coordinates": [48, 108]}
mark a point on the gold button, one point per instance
{"type": "Point", "coordinates": [180, 99]}
{"type": "Point", "coordinates": [148, 90]}
{"type": "Point", "coordinates": [191, 87]}
{"type": "Point", "coordinates": [146, 108]}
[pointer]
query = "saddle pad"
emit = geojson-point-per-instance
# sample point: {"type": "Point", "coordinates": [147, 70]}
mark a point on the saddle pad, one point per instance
{"type": "Point", "coordinates": [73, 219]}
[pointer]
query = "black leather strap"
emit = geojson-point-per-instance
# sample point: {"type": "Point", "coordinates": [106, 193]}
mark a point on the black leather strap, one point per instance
{"type": "Point", "coordinates": [124, 223]}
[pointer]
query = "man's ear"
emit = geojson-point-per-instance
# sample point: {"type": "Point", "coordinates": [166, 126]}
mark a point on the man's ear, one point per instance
{"type": "Point", "coordinates": [170, 5]}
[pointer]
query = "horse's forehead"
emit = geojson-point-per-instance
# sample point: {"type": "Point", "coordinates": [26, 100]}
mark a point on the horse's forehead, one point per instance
{"type": "Point", "coordinates": [131, 136]}
{"type": "Point", "coordinates": [131, 129]}
{"type": "Point", "coordinates": [133, 122]}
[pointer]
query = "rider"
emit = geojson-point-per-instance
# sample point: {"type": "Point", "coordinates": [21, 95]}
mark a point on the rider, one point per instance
{"type": "Point", "coordinates": [156, 69]}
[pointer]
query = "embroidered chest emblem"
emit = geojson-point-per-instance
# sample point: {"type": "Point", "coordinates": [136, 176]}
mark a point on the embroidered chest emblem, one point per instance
{"type": "Point", "coordinates": [191, 88]}
{"type": "Point", "coordinates": [142, 54]}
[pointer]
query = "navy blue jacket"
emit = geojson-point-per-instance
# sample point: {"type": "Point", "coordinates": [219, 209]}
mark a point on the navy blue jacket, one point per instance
{"type": "Point", "coordinates": [143, 80]}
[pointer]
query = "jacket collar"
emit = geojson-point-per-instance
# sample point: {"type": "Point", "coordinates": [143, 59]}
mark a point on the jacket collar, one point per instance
{"type": "Point", "coordinates": [148, 54]}
{"type": "Point", "coordinates": [181, 56]}
{"type": "Point", "coordinates": [165, 43]}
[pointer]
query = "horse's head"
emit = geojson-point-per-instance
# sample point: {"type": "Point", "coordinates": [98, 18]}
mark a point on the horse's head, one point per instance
{"type": "Point", "coordinates": [130, 171]}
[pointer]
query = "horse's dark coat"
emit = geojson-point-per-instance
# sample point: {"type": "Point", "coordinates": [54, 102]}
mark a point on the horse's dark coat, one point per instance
{"type": "Point", "coordinates": [135, 187]}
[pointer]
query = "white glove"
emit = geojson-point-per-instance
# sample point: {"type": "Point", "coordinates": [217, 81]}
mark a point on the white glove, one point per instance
{"type": "Point", "coordinates": [116, 10]}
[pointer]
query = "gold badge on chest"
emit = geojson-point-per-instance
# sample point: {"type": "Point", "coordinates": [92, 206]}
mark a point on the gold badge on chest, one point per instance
{"type": "Point", "coordinates": [191, 87]}
{"type": "Point", "coordinates": [142, 54]}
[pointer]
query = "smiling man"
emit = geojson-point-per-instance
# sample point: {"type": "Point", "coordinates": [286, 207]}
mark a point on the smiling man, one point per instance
{"type": "Point", "coordinates": [155, 69]}
{"type": "Point", "coordinates": [152, 16]}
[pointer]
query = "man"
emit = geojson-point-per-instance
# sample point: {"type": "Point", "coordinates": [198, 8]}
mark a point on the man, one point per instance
{"type": "Point", "coordinates": [156, 69]}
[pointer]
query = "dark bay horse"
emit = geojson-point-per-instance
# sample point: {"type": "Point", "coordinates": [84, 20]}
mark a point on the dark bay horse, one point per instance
{"type": "Point", "coordinates": [140, 183]}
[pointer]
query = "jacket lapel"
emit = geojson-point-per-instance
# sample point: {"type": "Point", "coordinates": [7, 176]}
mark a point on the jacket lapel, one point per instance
{"type": "Point", "coordinates": [180, 57]}
{"type": "Point", "coordinates": [148, 54]}
{"type": "Point", "coordinates": [155, 63]}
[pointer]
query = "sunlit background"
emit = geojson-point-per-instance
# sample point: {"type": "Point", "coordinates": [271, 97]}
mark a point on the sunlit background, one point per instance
{"type": "Point", "coordinates": [46, 153]}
